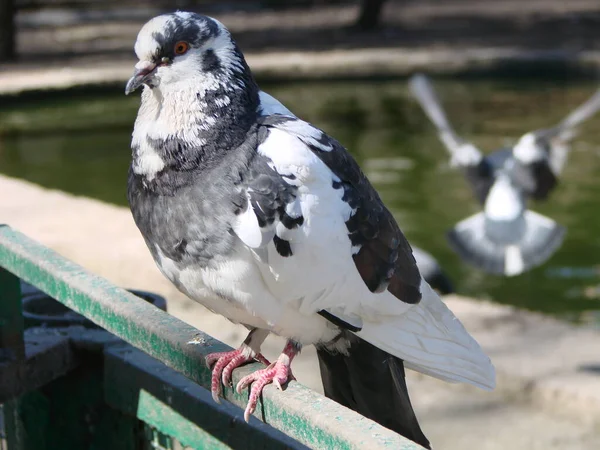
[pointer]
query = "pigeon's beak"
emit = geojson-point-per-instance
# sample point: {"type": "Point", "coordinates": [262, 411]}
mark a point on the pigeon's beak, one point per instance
{"type": "Point", "coordinates": [142, 73]}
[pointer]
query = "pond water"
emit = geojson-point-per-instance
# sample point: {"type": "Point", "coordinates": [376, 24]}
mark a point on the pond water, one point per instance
{"type": "Point", "coordinates": [79, 143]}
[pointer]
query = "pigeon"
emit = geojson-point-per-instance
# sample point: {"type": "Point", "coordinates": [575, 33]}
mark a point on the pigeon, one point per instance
{"type": "Point", "coordinates": [432, 272]}
{"type": "Point", "coordinates": [507, 238]}
{"type": "Point", "coordinates": [266, 220]}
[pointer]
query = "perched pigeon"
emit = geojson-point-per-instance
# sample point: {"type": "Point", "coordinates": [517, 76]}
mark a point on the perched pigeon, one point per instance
{"type": "Point", "coordinates": [507, 238]}
{"type": "Point", "coordinates": [268, 221]}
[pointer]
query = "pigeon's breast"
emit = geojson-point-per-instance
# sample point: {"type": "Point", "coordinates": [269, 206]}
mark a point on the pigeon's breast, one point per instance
{"type": "Point", "coordinates": [189, 238]}
{"type": "Point", "coordinates": [189, 225]}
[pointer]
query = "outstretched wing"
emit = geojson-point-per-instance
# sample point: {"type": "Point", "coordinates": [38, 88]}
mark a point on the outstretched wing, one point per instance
{"type": "Point", "coordinates": [558, 137]}
{"type": "Point", "coordinates": [423, 91]}
{"type": "Point", "coordinates": [541, 154]}
{"type": "Point", "coordinates": [463, 154]}
{"type": "Point", "coordinates": [536, 178]}
{"type": "Point", "coordinates": [306, 195]}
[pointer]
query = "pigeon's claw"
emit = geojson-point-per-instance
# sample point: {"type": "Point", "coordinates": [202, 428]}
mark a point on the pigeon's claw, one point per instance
{"type": "Point", "coordinates": [224, 364]}
{"type": "Point", "coordinates": [278, 373]}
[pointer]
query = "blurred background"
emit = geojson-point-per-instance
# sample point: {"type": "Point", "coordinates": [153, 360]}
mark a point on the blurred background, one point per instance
{"type": "Point", "coordinates": [502, 68]}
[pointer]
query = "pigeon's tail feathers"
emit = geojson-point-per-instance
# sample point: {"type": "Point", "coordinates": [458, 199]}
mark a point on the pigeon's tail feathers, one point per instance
{"type": "Point", "coordinates": [540, 238]}
{"type": "Point", "coordinates": [543, 236]}
{"type": "Point", "coordinates": [468, 239]}
{"type": "Point", "coordinates": [423, 91]}
{"type": "Point", "coordinates": [431, 340]}
{"type": "Point", "coordinates": [371, 382]}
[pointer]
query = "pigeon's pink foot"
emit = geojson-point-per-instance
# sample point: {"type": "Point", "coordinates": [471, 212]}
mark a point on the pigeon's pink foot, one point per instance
{"type": "Point", "coordinates": [225, 363]}
{"type": "Point", "coordinates": [277, 373]}
{"type": "Point", "coordinates": [261, 359]}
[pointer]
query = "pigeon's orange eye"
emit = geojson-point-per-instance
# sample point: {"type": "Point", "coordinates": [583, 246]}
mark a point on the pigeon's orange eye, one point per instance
{"type": "Point", "coordinates": [181, 47]}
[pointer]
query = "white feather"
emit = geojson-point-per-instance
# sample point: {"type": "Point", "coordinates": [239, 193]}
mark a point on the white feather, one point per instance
{"type": "Point", "coordinates": [527, 151]}
{"type": "Point", "coordinates": [248, 230]}
{"type": "Point", "coordinates": [513, 261]}
{"type": "Point", "coordinates": [462, 153]}
{"type": "Point", "coordinates": [503, 202]}
{"type": "Point", "coordinates": [431, 340]}
{"type": "Point", "coordinates": [247, 227]}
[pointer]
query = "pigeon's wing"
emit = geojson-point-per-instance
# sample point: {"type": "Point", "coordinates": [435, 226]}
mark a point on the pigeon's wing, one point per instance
{"type": "Point", "coordinates": [580, 115]}
{"type": "Point", "coordinates": [530, 166]}
{"type": "Point", "coordinates": [381, 252]}
{"type": "Point", "coordinates": [477, 169]}
{"type": "Point", "coordinates": [559, 137]}
{"type": "Point", "coordinates": [536, 178]}
{"type": "Point", "coordinates": [324, 243]}
{"type": "Point", "coordinates": [423, 91]}
{"type": "Point", "coordinates": [481, 177]}
{"type": "Point", "coordinates": [299, 173]}
{"type": "Point", "coordinates": [553, 145]}
{"type": "Point", "coordinates": [462, 152]}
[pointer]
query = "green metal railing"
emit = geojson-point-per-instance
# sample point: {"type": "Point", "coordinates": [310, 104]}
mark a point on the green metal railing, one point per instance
{"type": "Point", "coordinates": [150, 374]}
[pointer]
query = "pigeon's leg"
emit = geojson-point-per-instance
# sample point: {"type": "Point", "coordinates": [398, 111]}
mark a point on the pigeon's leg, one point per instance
{"type": "Point", "coordinates": [226, 362]}
{"type": "Point", "coordinates": [277, 373]}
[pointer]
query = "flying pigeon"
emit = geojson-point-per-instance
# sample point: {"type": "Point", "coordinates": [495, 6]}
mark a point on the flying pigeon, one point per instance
{"type": "Point", "coordinates": [507, 238]}
{"type": "Point", "coordinates": [268, 221]}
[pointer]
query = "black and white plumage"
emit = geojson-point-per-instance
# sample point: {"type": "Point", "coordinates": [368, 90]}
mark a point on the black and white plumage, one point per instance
{"type": "Point", "coordinates": [266, 220]}
{"type": "Point", "coordinates": [507, 238]}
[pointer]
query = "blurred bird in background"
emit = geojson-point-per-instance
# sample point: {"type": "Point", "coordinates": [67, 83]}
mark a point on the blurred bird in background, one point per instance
{"type": "Point", "coordinates": [432, 272]}
{"type": "Point", "coordinates": [507, 238]}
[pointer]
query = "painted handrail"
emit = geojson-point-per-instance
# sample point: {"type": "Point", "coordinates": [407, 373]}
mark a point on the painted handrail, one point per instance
{"type": "Point", "coordinates": [299, 412]}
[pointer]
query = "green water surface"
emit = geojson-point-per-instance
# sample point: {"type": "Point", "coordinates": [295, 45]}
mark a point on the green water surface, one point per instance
{"type": "Point", "coordinates": [79, 143]}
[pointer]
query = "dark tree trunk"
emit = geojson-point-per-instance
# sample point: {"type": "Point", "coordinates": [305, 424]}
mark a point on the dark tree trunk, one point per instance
{"type": "Point", "coordinates": [7, 30]}
{"type": "Point", "coordinates": [370, 12]}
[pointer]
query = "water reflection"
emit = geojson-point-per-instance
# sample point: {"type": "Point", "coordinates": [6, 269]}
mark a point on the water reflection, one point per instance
{"type": "Point", "coordinates": [81, 145]}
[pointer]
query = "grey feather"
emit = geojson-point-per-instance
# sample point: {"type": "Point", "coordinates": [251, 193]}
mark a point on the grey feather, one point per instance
{"type": "Point", "coordinates": [423, 91]}
{"type": "Point", "coordinates": [580, 114]}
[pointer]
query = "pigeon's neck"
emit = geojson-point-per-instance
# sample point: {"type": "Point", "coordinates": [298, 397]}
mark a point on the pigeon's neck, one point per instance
{"type": "Point", "coordinates": [188, 126]}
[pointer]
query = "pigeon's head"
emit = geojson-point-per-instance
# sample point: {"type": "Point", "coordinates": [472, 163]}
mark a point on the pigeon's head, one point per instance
{"type": "Point", "coordinates": [183, 48]}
